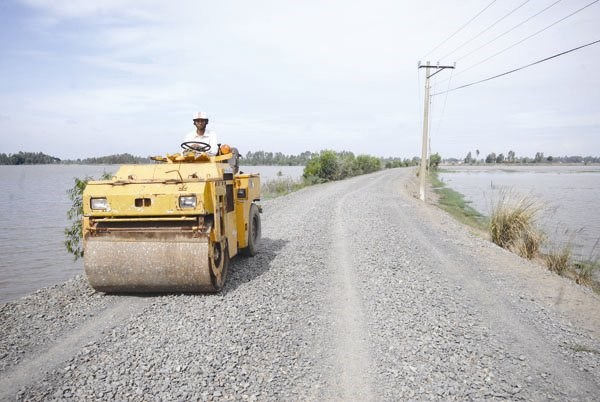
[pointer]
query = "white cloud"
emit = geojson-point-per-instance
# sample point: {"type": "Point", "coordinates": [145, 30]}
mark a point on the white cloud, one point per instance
{"type": "Point", "coordinates": [65, 9]}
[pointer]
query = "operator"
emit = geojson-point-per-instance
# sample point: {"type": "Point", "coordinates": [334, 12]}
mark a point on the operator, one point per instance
{"type": "Point", "coordinates": [209, 137]}
{"type": "Point", "coordinates": [201, 134]}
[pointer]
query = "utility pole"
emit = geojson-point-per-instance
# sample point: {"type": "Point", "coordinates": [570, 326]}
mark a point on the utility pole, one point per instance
{"type": "Point", "coordinates": [423, 170]}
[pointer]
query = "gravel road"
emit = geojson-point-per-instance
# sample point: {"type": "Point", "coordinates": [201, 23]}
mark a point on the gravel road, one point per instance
{"type": "Point", "coordinates": [360, 292]}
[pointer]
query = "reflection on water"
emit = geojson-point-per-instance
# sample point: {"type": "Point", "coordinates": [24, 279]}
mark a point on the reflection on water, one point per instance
{"type": "Point", "coordinates": [33, 207]}
{"type": "Point", "coordinates": [569, 195]}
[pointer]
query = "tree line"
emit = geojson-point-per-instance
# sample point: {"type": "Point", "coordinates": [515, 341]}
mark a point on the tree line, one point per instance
{"type": "Point", "coordinates": [276, 158]}
{"type": "Point", "coordinates": [40, 158]}
{"type": "Point", "coordinates": [116, 159]}
{"type": "Point", "coordinates": [27, 158]}
{"type": "Point", "coordinates": [302, 159]}
{"type": "Point", "coordinates": [279, 159]}
{"type": "Point", "coordinates": [539, 157]}
{"type": "Point", "coordinates": [250, 159]}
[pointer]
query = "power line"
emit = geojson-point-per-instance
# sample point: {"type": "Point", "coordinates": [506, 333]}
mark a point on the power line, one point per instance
{"type": "Point", "coordinates": [459, 29]}
{"type": "Point", "coordinates": [529, 37]}
{"type": "Point", "coordinates": [510, 30]}
{"type": "Point", "coordinates": [520, 68]}
{"type": "Point", "coordinates": [487, 29]}
{"type": "Point", "coordinates": [419, 95]}
{"type": "Point", "coordinates": [439, 124]}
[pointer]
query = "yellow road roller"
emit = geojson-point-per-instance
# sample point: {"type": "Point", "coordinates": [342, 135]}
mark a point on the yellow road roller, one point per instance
{"type": "Point", "coordinates": [171, 226]}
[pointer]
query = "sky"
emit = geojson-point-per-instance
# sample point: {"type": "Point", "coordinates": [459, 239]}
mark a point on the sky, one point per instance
{"type": "Point", "coordinates": [100, 77]}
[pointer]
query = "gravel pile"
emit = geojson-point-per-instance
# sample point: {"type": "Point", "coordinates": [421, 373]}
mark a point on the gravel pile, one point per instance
{"type": "Point", "coordinates": [359, 293]}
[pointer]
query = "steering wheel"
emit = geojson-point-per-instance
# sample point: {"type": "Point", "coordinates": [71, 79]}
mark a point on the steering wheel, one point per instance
{"type": "Point", "coordinates": [196, 146]}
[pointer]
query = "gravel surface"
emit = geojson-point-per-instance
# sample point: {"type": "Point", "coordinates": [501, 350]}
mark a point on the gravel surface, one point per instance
{"type": "Point", "coordinates": [360, 292]}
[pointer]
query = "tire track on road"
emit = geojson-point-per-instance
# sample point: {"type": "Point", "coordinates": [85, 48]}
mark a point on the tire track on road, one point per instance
{"type": "Point", "coordinates": [350, 377]}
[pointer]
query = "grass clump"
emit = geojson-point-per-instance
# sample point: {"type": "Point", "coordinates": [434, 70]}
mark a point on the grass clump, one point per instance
{"type": "Point", "coordinates": [586, 268]}
{"type": "Point", "coordinates": [513, 224]}
{"type": "Point", "coordinates": [585, 271]}
{"type": "Point", "coordinates": [281, 186]}
{"type": "Point", "coordinates": [559, 260]}
{"type": "Point", "coordinates": [582, 348]}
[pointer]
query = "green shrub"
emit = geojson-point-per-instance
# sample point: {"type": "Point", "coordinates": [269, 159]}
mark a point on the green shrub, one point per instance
{"type": "Point", "coordinates": [367, 164]}
{"type": "Point", "coordinates": [329, 165]}
{"type": "Point", "coordinates": [434, 161]}
{"type": "Point", "coordinates": [73, 242]}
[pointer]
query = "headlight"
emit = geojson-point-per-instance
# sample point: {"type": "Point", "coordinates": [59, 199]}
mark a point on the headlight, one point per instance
{"type": "Point", "coordinates": [187, 201]}
{"type": "Point", "coordinates": [99, 203]}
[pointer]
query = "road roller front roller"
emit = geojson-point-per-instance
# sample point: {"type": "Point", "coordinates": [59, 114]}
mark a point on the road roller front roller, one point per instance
{"type": "Point", "coordinates": [171, 226]}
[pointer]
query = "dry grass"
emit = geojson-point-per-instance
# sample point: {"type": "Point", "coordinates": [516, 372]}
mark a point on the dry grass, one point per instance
{"type": "Point", "coordinates": [559, 260]}
{"type": "Point", "coordinates": [585, 271]}
{"type": "Point", "coordinates": [513, 224]}
{"type": "Point", "coordinates": [585, 268]}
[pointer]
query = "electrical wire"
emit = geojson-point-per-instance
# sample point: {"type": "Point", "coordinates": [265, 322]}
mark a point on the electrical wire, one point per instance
{"type": "Point", "coordinates": [459, 29]}
{"type": "Point", "coordinates": [528, 37]}
{"type": "Point", "coordinates": [431, 109]}
{"type": "Point", "coordinates": [485, 30]}
{"type": "Point", "coordinates": [519, 68]}
{"type": "Point", "coordinates": [510, 30]}
{"type": "Point", "coordinates": [439, 123]}
{"type": "Point", "coordinates": [419, 94]}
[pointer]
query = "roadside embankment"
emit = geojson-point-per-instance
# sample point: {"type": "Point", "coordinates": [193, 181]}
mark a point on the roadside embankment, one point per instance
{"type": "Point", "coordinates": [514, 224]}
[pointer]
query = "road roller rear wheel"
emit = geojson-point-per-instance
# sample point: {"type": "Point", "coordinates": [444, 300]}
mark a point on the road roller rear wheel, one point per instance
{"type": "Point", "coordinates": [254, 231]}
{"type": "Point", "coordinates": [219, 264]}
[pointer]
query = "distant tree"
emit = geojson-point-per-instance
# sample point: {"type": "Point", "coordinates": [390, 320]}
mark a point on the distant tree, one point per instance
{"type": "Point", "coordinates": [468, 158]}
{"type": "Point", "coordinates": [491, 158]}
{"type": "Point", "coordinates": [500, 158]}
{"type": "Point", "coordinates": [539, 157]}
{"type": "Point", "coordinates": [549, 159]}
{"type": "Point", "coordinates": [477, 154]}
{"type": "Point", "coordinates": [511, 156]}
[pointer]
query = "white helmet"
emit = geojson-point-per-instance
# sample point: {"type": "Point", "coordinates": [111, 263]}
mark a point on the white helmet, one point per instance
{"type": "Point", "coordinates": [200, 116]}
